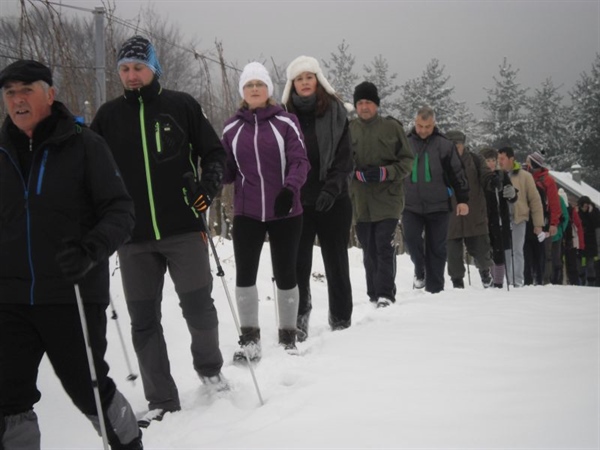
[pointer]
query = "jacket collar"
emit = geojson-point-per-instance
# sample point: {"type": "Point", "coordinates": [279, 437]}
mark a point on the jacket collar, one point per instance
{"type": "Point", "coordinates": [146, 93]}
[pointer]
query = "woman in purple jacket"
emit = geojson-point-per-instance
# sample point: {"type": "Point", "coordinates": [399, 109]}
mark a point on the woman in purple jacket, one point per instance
{"type": "Point", "coordinates": [267, 162]}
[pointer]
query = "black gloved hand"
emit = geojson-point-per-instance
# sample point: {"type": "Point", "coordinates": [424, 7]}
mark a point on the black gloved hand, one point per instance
{"type": "Point", "coordinates": [509, 192]}
{"type": "Point", "coordinates": [74, 260]}
{"type": "Point", "coordinates": [195, 193]}
{"type": "Point", "coordinates": [371, 174]}
{"type": "Point", "coordinates": [284, 202]}
{"type": "Point", "coordinates": [324, 202]}
{"type": "Point", "coordinates": [496, 181]}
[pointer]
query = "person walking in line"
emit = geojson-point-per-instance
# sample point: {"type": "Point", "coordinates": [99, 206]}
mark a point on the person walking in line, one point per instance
{"type": "Point", "coordinates": [64, 210]}
{"type": "Point", "coordinates": [528, 203]}
{"type": "Point", "coordinates": [498, 212]}
{"type": "Point", "coordinates": [382, 159]}
{"type": "Point", "coordinates": [325, 201]}
{"type": "Point", "coordinates": [158, 137]}
{"type": "Point", "coordinates": [573, 242]}
{"type": "Point", "coordinates": [267, 163]}
{"type": "Point", "coordinates": [471, 231]}
{"type": "Point", "coordinates": [437, 176]}
{"type": "Point", "coordinates": [590, 219]}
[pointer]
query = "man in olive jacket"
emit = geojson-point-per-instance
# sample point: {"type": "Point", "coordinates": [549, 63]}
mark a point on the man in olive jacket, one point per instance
{"type": "Point", "coordinates": [437, 175]}
{"type": "Point", "coordinates": [382, 159]}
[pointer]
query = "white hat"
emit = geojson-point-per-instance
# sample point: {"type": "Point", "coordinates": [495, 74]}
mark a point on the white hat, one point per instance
{"type": "Point", "coordinates": [304, 64]}
{"type": "Point", "coordinates": [255, 71]}
{"type": "Point", "coordinates": [564, 196]}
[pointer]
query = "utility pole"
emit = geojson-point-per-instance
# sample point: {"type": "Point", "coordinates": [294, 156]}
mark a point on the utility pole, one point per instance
{"type": "Point", "coordinates": [99, 14]}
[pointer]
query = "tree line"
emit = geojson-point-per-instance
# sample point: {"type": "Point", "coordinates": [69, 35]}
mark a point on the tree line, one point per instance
{"type": "Point", "coordinates": [527, 120]}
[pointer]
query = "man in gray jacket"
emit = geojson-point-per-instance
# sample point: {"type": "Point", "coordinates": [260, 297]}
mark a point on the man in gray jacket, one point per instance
{"type": "Point", "coordinates": [437, 176]}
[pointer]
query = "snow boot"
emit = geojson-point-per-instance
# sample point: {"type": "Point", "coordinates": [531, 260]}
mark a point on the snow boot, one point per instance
{"type": "Point", "coordinates": [217, 383]}
{"type": "Point", "coordinates": [486, 278]}
{"type": "Point", "coordinates": [383, 302]}
{"type": "Point", "coordinates": [336, 324]}
{"type": "Point", "coordinates": [302, 326]}
{"type": "Point", "coordinates": [418, 283]}
{"type": "Point", "coordinates": [249, 346]}
{"type": "Point", "coordinates": [287, 339]}
{"type": "Point", "coordinates": [458, 283]}
{"type": "Point", "coordinates": [154, 414]}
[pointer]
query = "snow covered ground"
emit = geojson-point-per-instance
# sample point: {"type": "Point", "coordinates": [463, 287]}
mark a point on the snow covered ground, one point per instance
{"type": "Point", "coordinates": [463, 369]}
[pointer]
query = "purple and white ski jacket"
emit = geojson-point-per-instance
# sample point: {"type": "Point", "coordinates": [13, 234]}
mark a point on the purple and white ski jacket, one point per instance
{"type": "Point", "coordinates": [265, 153]}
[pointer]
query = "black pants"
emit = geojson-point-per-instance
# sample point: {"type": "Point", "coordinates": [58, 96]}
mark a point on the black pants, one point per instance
{"type": "Point", "coordinates": [248, 240]}
{"type": "Point", "coordinates": [333, 230]}
{"type": "Point", "coordinates": [428, 255]}
{"type": "Point", "coordinates": [379, 257]}
{"type": "Point", "coordinates": [535, 261]}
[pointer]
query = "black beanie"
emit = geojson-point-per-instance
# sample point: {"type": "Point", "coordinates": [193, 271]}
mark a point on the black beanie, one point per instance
{"type": "Point", "coordinates": [366, 91]}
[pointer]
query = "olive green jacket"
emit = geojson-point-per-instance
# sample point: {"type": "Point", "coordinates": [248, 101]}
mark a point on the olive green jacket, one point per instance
{"type": "Point", "coordinates": [380, 142]}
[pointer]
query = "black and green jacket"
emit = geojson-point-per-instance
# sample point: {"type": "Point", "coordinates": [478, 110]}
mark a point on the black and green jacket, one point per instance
{"type": "Point", "coordinates": [157, 135]}
{"type": "Point", "coordinates": [61, 184]}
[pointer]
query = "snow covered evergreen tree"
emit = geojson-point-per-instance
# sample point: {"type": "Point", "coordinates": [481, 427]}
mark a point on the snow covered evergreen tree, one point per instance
{"type": "Point", "coordinates": [378, 74]}
{"type": "Point", "coordinates": [547, 127]}
{"type": "Point", "coordinates": [506, 122]}
{"type": "Point", "coordinates": [585, 122]}
{"type": "Point", "coordinates": [339, 72]}
{"type": "Point", "coordinates": [432, 89]}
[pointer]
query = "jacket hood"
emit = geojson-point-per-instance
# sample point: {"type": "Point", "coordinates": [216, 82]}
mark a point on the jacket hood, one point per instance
{"type": "Point", "coordinates": [261, 114]}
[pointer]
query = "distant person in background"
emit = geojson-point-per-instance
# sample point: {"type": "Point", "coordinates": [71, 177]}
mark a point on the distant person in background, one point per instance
{"type": "Point", "coordinates": [327, 211]}
{"type": "Point", "coordinates": [161, 141]}
{"type": "Point", "coordinates": [382, 159]}
{"type": "Point", "coordinates": [528, 202]}
{"type": "Point", "coordinates": [471, 231]}
{"type": "Point", "coordinates": [267, 163]}
{"type": "Point", "coordinates": [590, 219]}
{"type": "Point", "coordinates": [573, 241]}
{"type": "Point", "coordinates": [437, 175]}
{"type": "Point", "coordinates": [498, 212]}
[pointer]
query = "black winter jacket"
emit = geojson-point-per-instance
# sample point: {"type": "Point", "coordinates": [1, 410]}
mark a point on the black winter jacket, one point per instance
{"type": "Point", "coordinates": [73, 191]}
{"type": "Point", "coordinates": [157, 135]}
{"type": "Point", "coordinates": [437, 174]}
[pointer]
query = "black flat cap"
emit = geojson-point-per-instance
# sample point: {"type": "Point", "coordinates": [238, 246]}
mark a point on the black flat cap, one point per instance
{"type": "Point", "coordinates": [27, 71]}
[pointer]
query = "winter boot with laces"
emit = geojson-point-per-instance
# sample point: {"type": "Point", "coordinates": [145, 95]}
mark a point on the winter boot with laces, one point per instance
{"type": "Point", "coordinates": [287, 339]}
{"type": "Point", "coordinates": [250, 346]}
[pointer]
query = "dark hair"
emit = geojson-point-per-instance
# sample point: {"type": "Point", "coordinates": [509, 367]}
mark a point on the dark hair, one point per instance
{"type": "Point", "coordinates": [324, 100]}
{"type": "Point", "coordinates": [585, 200]}
{"type": "Point", "coordinates": [508, 151]}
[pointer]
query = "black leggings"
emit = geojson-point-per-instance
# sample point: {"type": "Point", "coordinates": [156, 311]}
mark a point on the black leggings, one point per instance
{"type": "Point", "coordinates": [248, 239]}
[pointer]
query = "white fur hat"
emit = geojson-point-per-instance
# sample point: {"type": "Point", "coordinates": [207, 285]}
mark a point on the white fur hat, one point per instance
{"type": "Point", "coordinates": [304, 64]}
{"type": "Point", "coordinates": [255, 71]}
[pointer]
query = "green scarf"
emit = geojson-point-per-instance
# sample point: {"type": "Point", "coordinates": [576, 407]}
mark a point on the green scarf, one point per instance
{"type": "Point", "coordinates": [414, 177]}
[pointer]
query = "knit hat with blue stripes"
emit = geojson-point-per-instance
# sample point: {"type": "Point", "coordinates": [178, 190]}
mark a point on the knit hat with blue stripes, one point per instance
{"type": "Point", "coordinates": [139, 50]}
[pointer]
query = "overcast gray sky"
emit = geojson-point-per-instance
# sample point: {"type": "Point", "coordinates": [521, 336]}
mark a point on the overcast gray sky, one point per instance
{"type": "Point", "coordinates": [542, 39]}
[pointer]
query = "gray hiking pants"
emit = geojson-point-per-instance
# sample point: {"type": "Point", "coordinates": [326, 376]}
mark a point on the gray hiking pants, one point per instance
{"type": "Point", "coordinates": [143, 267]}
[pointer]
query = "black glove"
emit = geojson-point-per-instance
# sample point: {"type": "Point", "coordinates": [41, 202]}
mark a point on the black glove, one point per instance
{"type": "Point", "coordinates": [74, 259]}
{"type": "Point", "coordinates": [324, 201]}
{"type": "Point", "coordinates": [496, 181]}
{"type": "Point", "coordinates": [509, 192]}
{"type": "Point", "coordinates": [284, 202]}
{"type": "Point", "coordinates": [371, 174]}
{"type": "Point", "coordinates": [195, 193]}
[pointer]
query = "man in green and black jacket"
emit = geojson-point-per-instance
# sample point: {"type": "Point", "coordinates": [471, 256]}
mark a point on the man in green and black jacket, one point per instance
{"type": "Point", "coordinates": [160, 139]}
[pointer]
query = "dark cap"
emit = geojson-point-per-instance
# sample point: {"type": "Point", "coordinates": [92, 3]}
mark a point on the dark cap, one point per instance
{"type": "Point", "coordinates": [366, 91]}
{"type": "Point", "coordinates": [456, 136]}
{"type": "Point", "coordinates": [27, 71]}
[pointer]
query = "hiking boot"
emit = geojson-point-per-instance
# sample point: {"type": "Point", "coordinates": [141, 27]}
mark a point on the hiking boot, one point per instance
{"type": "Point", "coordinates": [217, 382]}
{"type": "Point", "coordinates": [418, 283]}
{"type": "Point", "coordinates": [335, 324]}
{"type": "Point", "coordinates": [383, 302]}
{"type": "Point", "coordinates": [249, 346]}
{"type": "Point", "coordinates": [458, 283]}
{"type": "Point", "coordinates": [486, 278]}
{"type": "Point", "coordinates": [498, 285]}
{"type": "Point", "coordinates": [302, 326]}
{"type": "Point", "coordinates": [287, 339]}
{"type": "Point", "coordinates": [155, 414]}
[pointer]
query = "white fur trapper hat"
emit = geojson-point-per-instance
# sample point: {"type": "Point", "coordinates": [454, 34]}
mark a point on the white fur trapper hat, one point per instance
{"type": "Point", "coordinates": [304, 64]}
{"type": "Point", "coordinates": [255, 71]}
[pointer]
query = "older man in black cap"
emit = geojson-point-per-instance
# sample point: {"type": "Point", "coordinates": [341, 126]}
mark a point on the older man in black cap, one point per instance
{"type": "Point", "coordinates": [162, 141]}
{"type": "Point", "coordinates": [64, 210]}
{"type": "Point", "coordinates": [382, 158]}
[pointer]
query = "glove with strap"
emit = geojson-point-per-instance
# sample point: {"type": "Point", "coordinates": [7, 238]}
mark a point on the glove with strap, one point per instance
{"type": "Point", "coordinates": [509, 192]}
{"type": "Point", "coordinates": [284, 202]}
{"type": "Point", "coordinates": [371, 174]}
{"type": "Point", "coordinates": [75, 259]}
{"type": "Point", "coordinates": [195, 193]}
{"type": "Point", "coordinates": [325, 201]}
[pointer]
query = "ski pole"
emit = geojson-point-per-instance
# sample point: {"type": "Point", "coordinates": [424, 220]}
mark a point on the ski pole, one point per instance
{"type": "Point", "coordinates": [502, 238]}
{"type": "Point", "coordinates": [132, 376]}
{"type": "Point", "coordinates": [90, 359]}
{"type": "Point", "coordinates": [221, 274]}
